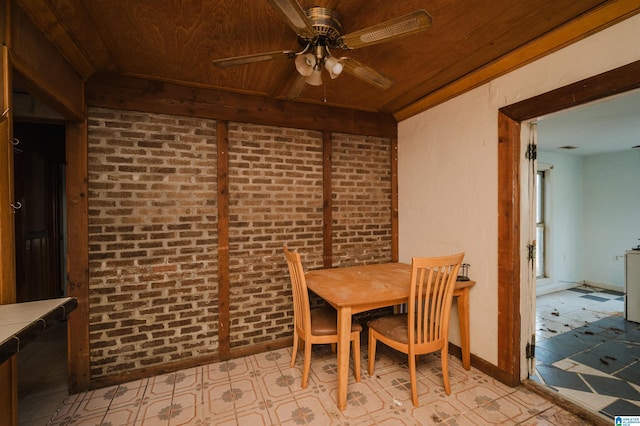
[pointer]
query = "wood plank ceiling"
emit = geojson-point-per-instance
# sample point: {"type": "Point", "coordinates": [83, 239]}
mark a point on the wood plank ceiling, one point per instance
{"type": "Point", "coordinates": [176, 41]}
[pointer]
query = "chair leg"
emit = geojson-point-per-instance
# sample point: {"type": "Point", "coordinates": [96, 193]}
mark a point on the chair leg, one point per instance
{"type": "Point", "coordinates": [412, 377]}
{"type": "Point", "coordinates": [444, 354]}
{"type": "Point", "coordinates": [307, 364]}
{"type": "Point", "coordinates": [356, 356]}
{"type": "Point", "coordinates": [296, 340]}
{"type": "Point", "coordinates": [333, 348]}
{"type": "Point", "coordinates": [372, 352]}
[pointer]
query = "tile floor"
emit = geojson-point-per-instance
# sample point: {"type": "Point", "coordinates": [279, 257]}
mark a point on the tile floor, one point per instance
{"type": "Point", "coordinates": [587, 352]}
{"type": "Point", "coordinates": [263, 389]}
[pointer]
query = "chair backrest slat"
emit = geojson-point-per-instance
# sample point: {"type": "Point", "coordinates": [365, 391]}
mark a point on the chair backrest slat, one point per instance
{"type": "Point", "coordinates": [432, 283]}
{"type": "Point", "coordinates": [301, 308]}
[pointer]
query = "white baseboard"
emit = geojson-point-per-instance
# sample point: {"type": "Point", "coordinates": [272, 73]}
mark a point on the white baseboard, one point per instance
{"type": "Point", "coordinates": [546, 286]}
{"type": "Point", "coordinates": [605, 286]}
{"type": "Point", "coordinates": [552, 286]}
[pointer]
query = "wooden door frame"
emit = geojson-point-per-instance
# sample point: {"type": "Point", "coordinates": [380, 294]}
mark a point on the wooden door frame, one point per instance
{"type": "Point", "coordinates": [510, 248]}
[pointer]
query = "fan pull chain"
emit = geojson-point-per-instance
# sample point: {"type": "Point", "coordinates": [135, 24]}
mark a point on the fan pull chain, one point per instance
{"type": "Point", "coordinates": [324, 88]}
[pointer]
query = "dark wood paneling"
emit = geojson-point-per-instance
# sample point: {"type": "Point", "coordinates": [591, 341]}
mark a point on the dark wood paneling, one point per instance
{"type": "Point", "coordinates": [111, 91]}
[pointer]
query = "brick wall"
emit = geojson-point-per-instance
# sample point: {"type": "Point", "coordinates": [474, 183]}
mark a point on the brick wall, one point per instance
{"type": "Point", "coordinates": [152, 240]}
{"type": "Point", "coordinates": [361, 200]}
{"type": "Point", "coordinates": [275, 199]}
{"type": "Point", "coordinates": [153, 230]}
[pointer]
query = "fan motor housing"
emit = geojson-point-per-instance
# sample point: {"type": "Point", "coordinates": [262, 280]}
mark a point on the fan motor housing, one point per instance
{"type": "Point", "coordinates": [328, 25]}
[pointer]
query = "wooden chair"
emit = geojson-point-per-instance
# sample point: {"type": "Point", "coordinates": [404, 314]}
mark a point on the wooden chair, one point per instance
{"type": "Point", "coordinates": [314, 326]}
{"type": "Point", "coordinates": [425, 327]}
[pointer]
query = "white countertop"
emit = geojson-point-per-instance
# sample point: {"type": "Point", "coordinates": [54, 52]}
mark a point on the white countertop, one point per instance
{"type": "Point", "coordinates": [16, 317]}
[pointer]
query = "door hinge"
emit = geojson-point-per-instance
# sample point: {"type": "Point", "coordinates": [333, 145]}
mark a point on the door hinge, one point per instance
{"type": "Point", "coordinates": [531, 347]}
{"type": "Point", "coordinates": [532, 152]}
{"type": "Point", "coordinates": [531, 251]}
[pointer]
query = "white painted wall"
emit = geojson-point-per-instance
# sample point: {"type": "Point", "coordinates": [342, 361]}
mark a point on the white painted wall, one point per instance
{"type": "Point", "coordinates": [612, 215]}
{"type": "Point", "coordinates": [448, 168]}
{"type": "Point", "coordinates": [594, 205]}
{"type": "Point", "coordinates": [565, 244]}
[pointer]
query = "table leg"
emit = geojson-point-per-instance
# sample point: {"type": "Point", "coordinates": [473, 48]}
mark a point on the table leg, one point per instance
{"type": "Point", "coordinates": [463, 318]}
{"type": "Point", "coordinates": [344, 331]}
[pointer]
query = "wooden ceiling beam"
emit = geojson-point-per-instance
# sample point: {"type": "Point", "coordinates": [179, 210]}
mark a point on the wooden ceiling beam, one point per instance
{"type": "Point", "coordinates": [45, 18]}
{"type": "Point", "coordinates": [119, 92]}
{"type": "Point", "coordinates": [600, 18]}
{"type": "Point", "coordinates": [42, 70]}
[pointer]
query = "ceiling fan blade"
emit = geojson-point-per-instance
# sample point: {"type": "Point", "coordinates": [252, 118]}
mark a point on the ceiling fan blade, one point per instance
{"type": "Point", "coordinates": [395, 28]}
{"type": "Point", "coordinates": [256, 57]}
{"type": "Point", "coordinates": [295, 16]}
{"type": "Point", "coordinates": [365, 73]}
{"type": "Point", "coordinates": [297, 88]}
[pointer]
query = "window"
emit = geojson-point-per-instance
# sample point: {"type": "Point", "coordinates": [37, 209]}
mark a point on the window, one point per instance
{"type": "Point", "coordinates": [540, 224]}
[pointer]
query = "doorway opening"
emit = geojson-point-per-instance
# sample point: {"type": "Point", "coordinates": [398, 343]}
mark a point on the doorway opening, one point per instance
{"type": "Point", "coordinates": [39, 187]}
{"type": "Point", "coordinates": [513, 286]}
{"type": "Point", "coordinates": [40, 249]}
{"type": "Point", "coordinates": [586, 170]}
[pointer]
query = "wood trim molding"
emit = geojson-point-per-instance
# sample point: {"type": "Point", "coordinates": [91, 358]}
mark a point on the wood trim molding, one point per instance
{"type": "Point", "coordinates": [8, 369]}
{"type": "Point", "coordinates": [600, 86]}
{"type": "Point", "coordinates": [43, 14]}
{"type": "Point", "coordinates": [609, 83]}
{"type": "Point", "coordinates": [509, 249]}
{"type": "Point", "coordinates": [394, 201]}
{"type": "Point", "coordinates": [43, 71]}
{"type": "Point", "coordinates": [189, 363]}
{"type": "Point", "coordinates": [603, 17]}
{"type": "Point", "coordinates": [224, 295]}
{"type": "Point", "coordinates": [327, 200]}
{"type": "Point", "coordinates": [78, 255]}
{"type": "Point", "coordinates": [7, 224]}
{"type": "Point", "coordinates": [119, 92]}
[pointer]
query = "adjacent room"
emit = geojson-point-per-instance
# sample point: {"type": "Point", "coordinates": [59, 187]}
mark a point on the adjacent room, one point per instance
{"type": "Point", "coordinates": [588, 166]}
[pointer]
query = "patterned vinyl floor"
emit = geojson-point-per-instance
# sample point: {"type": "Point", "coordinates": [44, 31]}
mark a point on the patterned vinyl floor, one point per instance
{"type": "Point", "coordinates": [263, 390]}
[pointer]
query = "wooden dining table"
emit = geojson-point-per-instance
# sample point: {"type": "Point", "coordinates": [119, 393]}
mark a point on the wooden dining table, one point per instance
{"type": "Point", "coordinates": [356, 289]}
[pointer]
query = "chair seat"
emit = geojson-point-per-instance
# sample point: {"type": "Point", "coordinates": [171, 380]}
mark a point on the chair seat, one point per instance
{"type": "Point", "coordinates": [425, 326]}
{"type": "Point", "coordinates": [393, 327]}
{"type": "Point", "coordinates": [324, 322]}
{"type": "Point", "coordinates": [314, 326]}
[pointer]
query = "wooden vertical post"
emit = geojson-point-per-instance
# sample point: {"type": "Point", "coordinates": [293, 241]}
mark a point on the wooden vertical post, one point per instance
{"type": "Point", "coordinates": [509, 248]}
{"type": "Point", "coordinates": [8, 369]}
{"type": "Point", "coordinates": [327, 204]}
{"type": "Point", "coordinates": [224, 320]}
{"type": "Point", "coordinates": [394, 200]}
{"type": "Point", "coordinates": [78, 255]}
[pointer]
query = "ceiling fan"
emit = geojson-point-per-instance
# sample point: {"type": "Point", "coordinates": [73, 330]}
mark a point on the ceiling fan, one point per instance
{"type": "Point", "coordinates": [319, 30]}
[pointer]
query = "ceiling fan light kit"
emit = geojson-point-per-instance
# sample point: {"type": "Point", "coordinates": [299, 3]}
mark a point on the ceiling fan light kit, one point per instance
{"type": "Point", "coordinates": [305, 63]}
{"type": "Point", "coordinates": [334, 66]}
{"type": "Point", "coordinates": [315, 79]}
{"type": "Point", "coordinates": [318, 29]}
